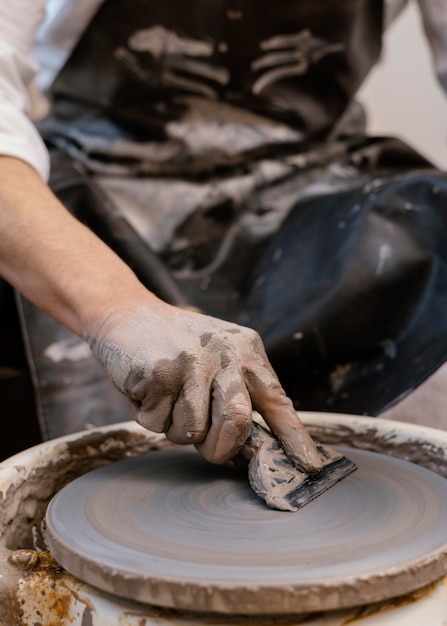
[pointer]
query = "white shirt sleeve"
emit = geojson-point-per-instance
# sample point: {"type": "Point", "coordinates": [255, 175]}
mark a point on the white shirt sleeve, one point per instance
{"type": "Point", "coordinates": [19, 20]}
{"type": "Point", "coordinates": [434, 18]}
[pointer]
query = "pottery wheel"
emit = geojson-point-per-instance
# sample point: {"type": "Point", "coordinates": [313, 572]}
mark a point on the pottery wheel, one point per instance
{"type": "Point", "coordinates": [169, 529]}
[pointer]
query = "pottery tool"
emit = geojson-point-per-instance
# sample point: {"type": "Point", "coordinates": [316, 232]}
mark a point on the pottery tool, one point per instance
{"type": "Point", "coordinates": [279, 482]}
{"type": "Point", "coordinates": [169, 529]}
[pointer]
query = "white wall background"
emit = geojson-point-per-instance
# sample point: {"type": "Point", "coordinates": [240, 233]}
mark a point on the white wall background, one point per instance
{"type": "Point", "coordinates": [402, 95]}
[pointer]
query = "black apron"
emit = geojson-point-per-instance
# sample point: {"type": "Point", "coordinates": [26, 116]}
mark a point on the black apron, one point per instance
{"type": "Point", "coordinates": [217, 148]}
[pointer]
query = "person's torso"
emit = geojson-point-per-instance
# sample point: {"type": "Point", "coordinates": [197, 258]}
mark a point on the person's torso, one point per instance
{"type": "Point", "coordinates": [223, 77]}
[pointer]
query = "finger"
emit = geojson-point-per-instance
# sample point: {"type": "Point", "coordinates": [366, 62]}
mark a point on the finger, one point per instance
{"type": "Point", "coordinates": [153, 397]}
{"type": "Point", "coordinates": [191, 414]}
{"type": "Point", "coordinates": [270, 400]}
{"type": "Point", "coordinates": [155, 415]}
{"type": "Point", "coordinates": [231, 416]}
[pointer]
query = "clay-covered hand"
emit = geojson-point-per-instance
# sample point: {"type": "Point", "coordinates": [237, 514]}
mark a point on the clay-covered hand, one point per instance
{"type": "Point", "coordinates": [197, 378]}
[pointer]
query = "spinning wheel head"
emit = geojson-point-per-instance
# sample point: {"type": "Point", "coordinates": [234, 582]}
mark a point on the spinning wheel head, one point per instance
{"type": "Point", "coordinates": [169, 529]}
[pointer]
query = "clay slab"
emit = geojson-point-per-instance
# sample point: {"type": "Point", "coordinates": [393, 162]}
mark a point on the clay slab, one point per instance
{"type": "Point", "coordinates": [169, 529]}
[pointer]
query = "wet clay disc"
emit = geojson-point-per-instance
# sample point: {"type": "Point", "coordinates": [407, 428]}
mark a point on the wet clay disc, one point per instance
{"type": "Point", "coordinates": [169, 529]}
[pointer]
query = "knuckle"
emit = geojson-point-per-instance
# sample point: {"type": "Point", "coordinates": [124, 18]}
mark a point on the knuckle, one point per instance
{"type": "Point", "coordinates": [156, 417]}
{"type": "Point", "coordinates": [236, 426]}
{"type": "Point", "coordinates": [237, 414]}
{"type": "Point", "coordinates": [237, 409]}
{"type": "Point", "coordinates": [276, 397]}
{"type": "Point", "coordinates": [275, 389]}
{"type": "Point", "coordinates": [255, 339]}
{"type": "Point", "coordinates": [252, 336]}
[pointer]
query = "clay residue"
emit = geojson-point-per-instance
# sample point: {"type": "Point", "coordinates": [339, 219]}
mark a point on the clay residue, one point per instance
{"type": "Point", "coordinates": [9, 606]}
{"type": "Point", "coordinates": [22, 507]}
{"type": "Point", "coordinates": [415, 450]}
{"type": "Point", "coordinates": [338, 376]}
{"type": "Point", "coordinates": [380, 543]}
{"type": "Point", "coordinates": [41, 592]}
{"type": "Point", "coordinates": [279, 482]}
{"type": "Point", "coordinates": [23, 504]}
{"type": "Point", "coordinates": [401, 601]}
{"type": "Point", "coordinates": [26, 574]}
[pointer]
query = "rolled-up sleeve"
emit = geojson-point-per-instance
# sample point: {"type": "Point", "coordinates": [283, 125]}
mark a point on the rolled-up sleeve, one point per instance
{"type": "Point", "coordinates": [19, 138]}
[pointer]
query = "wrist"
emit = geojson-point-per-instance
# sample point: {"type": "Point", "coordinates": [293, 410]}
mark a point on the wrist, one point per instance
{"type": "Point", "coordinates": [116, 303]}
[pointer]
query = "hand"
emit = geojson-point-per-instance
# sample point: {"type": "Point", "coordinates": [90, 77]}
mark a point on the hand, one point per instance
{"type": "Point", "coordinates": [197, 379]}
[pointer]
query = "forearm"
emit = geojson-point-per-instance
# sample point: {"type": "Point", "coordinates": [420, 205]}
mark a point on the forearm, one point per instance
{"type": "Point", "coordinates": [54, 260]}
{"type": "Point", "coordinates": [194, 377]}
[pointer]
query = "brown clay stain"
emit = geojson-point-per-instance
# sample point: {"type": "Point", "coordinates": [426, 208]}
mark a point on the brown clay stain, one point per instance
{"type": "Point", "coordinates": [41, 594]}
{"type": "Point", "coordinates": [396, 603]}
{"type": "Point", "coordinates": [10, 613]}
{"type": "Point", "coordinates": [33, 586]}
{"type": "Point", "coordinates": [415, 450]}
{"type": "Point", "coordinates": [28, 561]}
{"type": "Point", "coordinates": [209, 619]}
{"type": "Point", "coordinates": [41, 581]}
{"type": "Point", "coordinates": [23, 505]}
